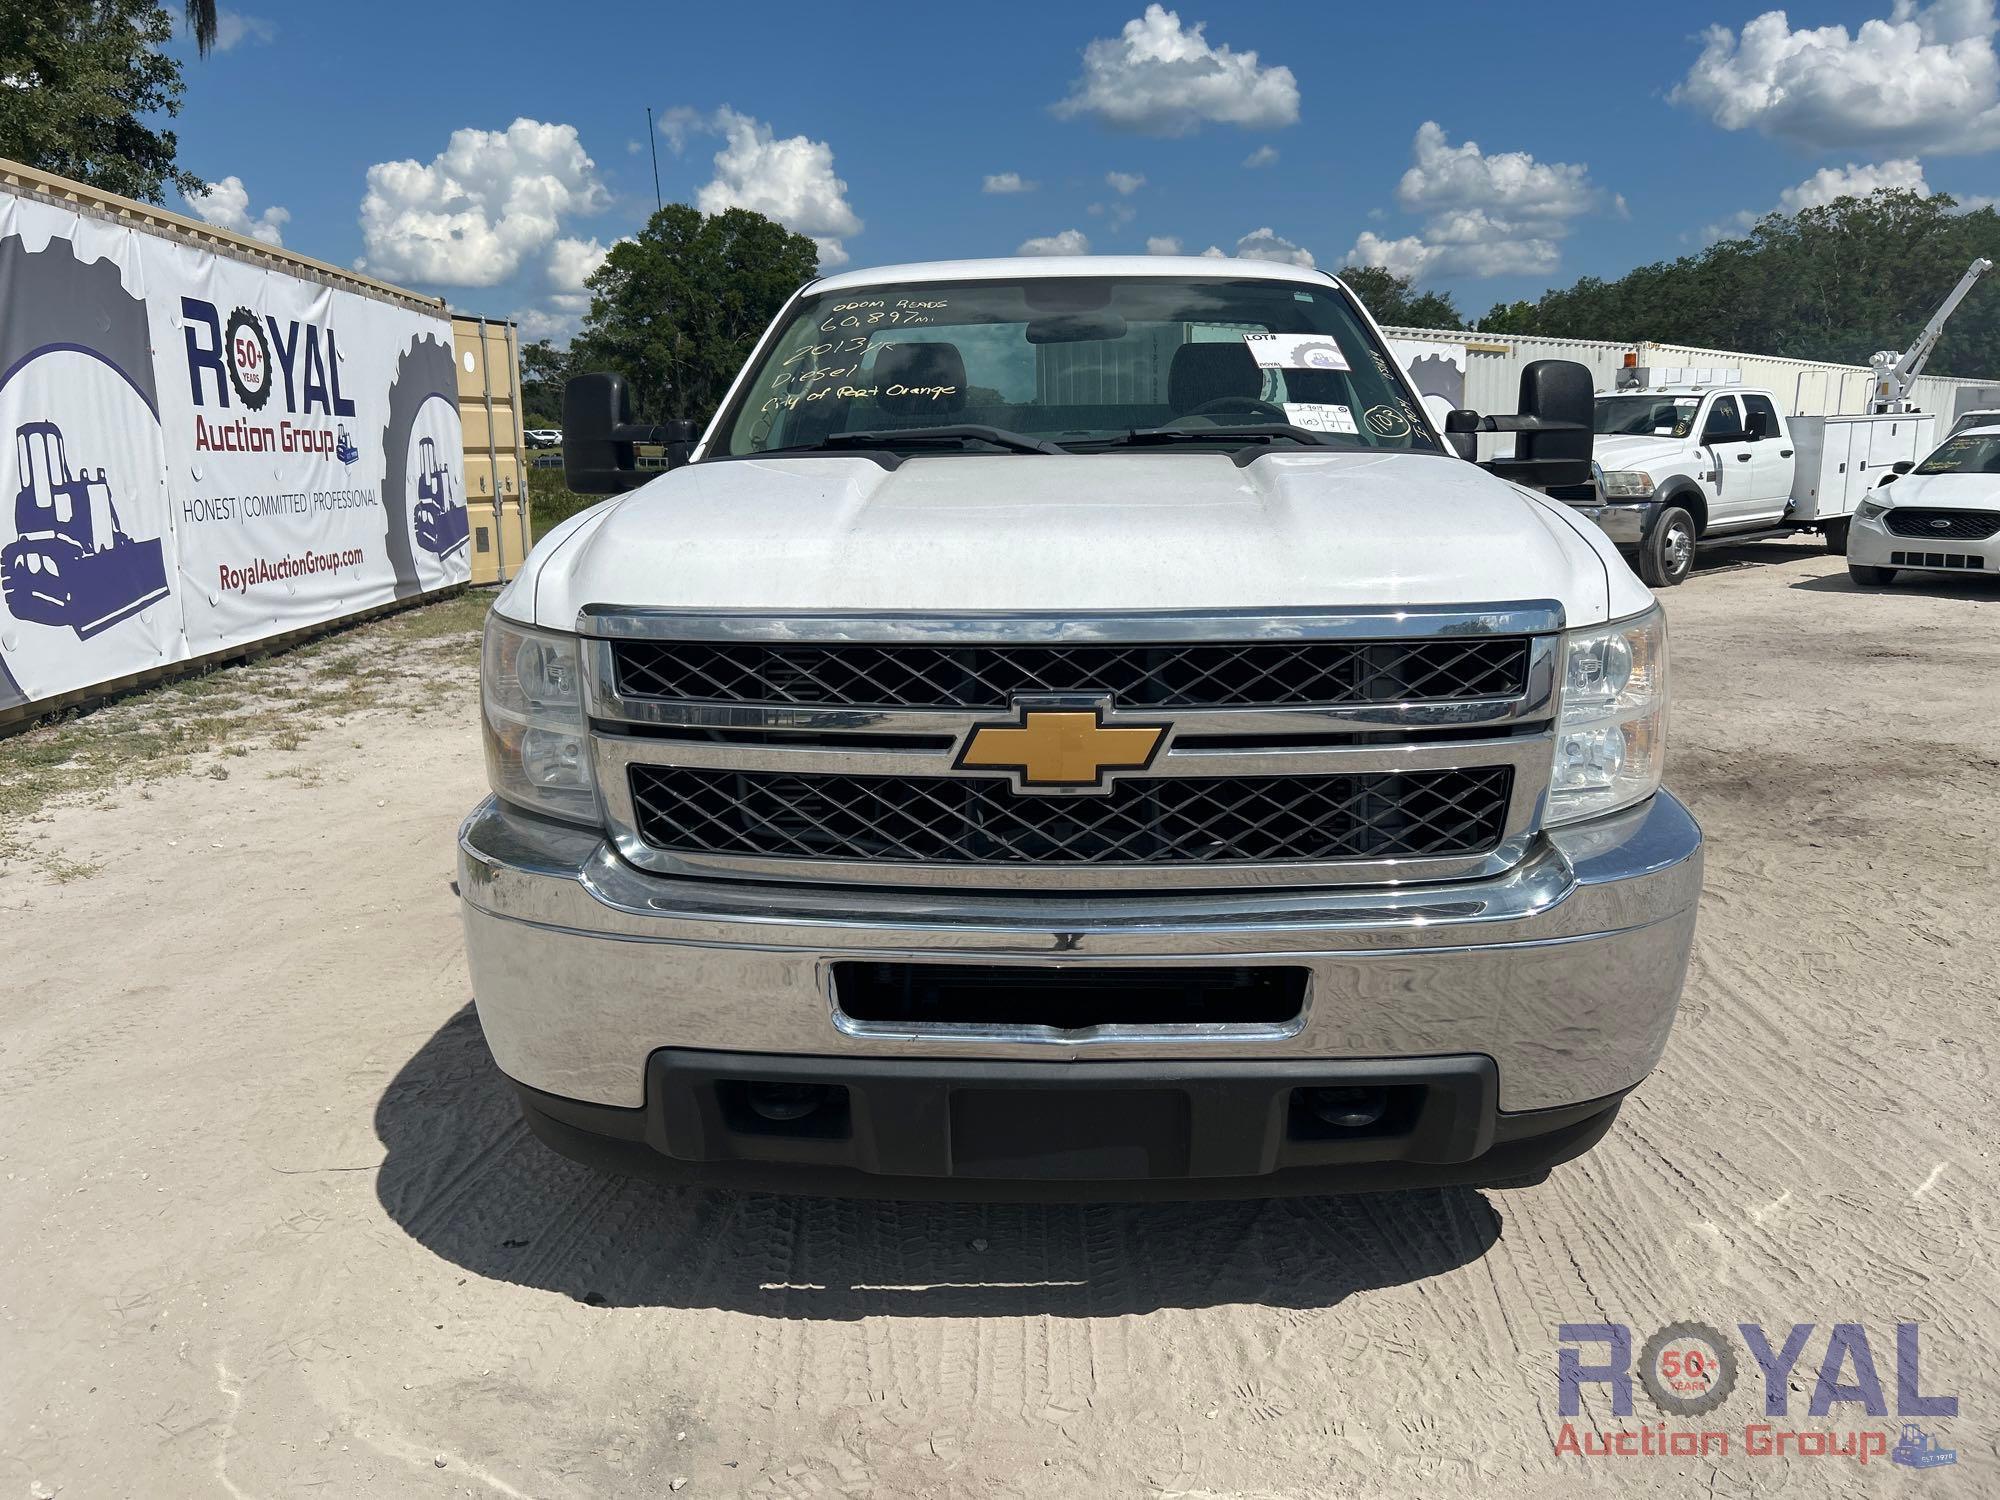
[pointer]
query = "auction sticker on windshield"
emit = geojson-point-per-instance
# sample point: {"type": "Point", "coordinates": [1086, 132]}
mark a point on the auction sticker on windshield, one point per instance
{"type": "Point", "coordinates": [1295, 351]}
{"type": "Point", "coordinates": [1320, 416]}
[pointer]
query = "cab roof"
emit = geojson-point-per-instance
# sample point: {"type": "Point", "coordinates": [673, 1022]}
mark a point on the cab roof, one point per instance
{"type": "Point", "coordinates": [1012, 266]}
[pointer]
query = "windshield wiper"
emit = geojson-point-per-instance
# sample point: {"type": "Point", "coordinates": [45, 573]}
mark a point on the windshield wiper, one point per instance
{"type": "Point", "coordinates": [1257, 432]}
{"type": "Point", "coordinates": [904, 437]}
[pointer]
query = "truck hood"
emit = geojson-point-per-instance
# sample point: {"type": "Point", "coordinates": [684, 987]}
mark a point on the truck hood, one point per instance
{"type": "Point", "coordinates": [1637, 452]}
{"type": "Point", "coordinates": [1086, 533]}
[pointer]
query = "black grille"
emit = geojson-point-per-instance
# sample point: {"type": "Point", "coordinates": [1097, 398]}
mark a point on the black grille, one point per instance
{"type": "Point", "coordinates": [1223, 675]}
{"type": "Point", "coordinates": [1959, 525]}
{"type": "Point", "coordinates": [1937, 560]}
{"type": "Point", "coordinates": [1166, 820]}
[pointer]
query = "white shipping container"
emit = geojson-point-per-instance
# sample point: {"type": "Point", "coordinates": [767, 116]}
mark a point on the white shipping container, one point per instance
{"type": "Point", "coordinates": [1803, 387]}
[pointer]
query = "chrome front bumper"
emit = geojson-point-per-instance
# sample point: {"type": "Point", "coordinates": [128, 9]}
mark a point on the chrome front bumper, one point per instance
{"type": "Point", "coordinates": [1564, 970]}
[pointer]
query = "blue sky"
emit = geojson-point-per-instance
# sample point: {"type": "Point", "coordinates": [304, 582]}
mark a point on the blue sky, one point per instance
{"type": "Point", "coordinates": [1494, 150]}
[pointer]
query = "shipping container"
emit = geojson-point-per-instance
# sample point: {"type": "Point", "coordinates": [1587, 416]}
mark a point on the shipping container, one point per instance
{"type": "Point", "coordinates": [1804, 387]}
{"type": "Point", "coordinates": [496, 460]}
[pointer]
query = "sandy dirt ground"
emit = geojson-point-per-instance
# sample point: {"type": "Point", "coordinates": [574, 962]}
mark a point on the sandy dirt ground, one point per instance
{"type": "Point", "coordinates": [273, 1228]}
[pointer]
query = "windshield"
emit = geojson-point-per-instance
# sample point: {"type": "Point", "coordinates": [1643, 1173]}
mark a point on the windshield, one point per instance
{"type": "Point", "coordinates": [1645, 416]}
{"type": "Point", "coordinates": [1976, 419]}
{"type": "Point", "coordinates": [1975, 453]}
{"type": "Point", "coordinates": [1072, 361]}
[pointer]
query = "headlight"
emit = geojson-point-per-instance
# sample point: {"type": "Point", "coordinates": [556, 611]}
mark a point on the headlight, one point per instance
{"type": "Point", "coordinates": [1628, 484]}
{"type": "Point", "coordinates": [531, 701]}
{"type": "Point", "coordinates": [1869, 509]}
{"type": "Point", "coordinates": [1611, 726]}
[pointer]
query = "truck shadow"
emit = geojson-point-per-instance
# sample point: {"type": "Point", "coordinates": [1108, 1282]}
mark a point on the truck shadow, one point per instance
{"type": "Point", "coordinates": [463, 1177]}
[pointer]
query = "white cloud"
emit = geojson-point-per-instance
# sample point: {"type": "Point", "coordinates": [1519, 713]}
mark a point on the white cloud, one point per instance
{"type": "Point", "coordinates": [1486, 215]}
{"type": "Point", "coordinates": [1855, 180]}
{"type": "Point", "coordinates": [226, 204]}
{"type": "Point", "coordinates": [1007, 182]}
{"type": "Point", "coordinates": [1408, 256]}
{"type": "Point", "coordinates": [1267, 244]}
{"type": "Point", "coordinates": [678, 123]}
{"type": "Point", "coordinates": [1163, 244]}
{"type": "Point", "coordinates": [1926, 77]}
{"type": "Point", "coordinates": [1263, 156]}
{"type": "Point", "coordinates": [1125, 183]}
{"type": "Point", "coordinates": [789, 180]}
{"type": "Point", "coordinates": [488, 201]}
{"type": "Point", "coordinates": [1068, 242]}
{"type": "Point", "coordinates": [1157, 78]}
{"type": "Point", "coordinates": [540, 323]}
{"type": "Point", "coordinates": [233, 29]}
{"type": "Point", "coordinates": [1510, 183]}
{"type": "Point", "coordinates": [572, 262]}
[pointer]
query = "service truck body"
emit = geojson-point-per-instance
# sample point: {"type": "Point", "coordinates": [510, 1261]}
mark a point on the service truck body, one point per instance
{"type": "Point", "coordinates": [1123, 798]}
{"type": "Point", "coordinates": [1688, 464]}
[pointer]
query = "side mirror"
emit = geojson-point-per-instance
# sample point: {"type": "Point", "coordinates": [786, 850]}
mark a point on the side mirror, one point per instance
{"type": "Point", "coordinates": [1460, 429]}
{"type": "Point", "coordinates": [596, 461]}
{"type": "Point", "coordinates": [1890, 477]}
{"type": "Point", "coordinates": [1902, 466]}
{"type": "Point", "coordinates": [600, 438]}
{"type": "Point", "coordinates": [1555, 426]}
{"type": "Point", "coordinates": [680, 436]}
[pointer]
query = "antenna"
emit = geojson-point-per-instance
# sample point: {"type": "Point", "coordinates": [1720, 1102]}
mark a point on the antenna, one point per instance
{"type": "Point", "coordinates": [653, 141]}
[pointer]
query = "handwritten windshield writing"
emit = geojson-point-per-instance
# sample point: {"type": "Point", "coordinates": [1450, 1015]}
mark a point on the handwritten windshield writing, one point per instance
{"type": "Point", "coordinates": [858, 393]}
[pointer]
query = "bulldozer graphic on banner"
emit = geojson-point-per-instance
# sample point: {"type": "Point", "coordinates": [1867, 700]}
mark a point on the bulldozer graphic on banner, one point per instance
{"type": "Point", "coordinates": [72, 562]}
{"type": "Point", "coordinates": [441, 522]}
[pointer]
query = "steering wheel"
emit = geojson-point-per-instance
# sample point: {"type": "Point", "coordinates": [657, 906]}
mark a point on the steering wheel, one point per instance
{"type": "Point", "coordinates": [1249, 404]}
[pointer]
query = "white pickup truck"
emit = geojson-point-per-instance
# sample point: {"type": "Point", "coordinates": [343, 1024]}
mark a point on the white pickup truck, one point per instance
{"type": "Point", "coordinates": [1072, 727]}
{"type": "Point", "coordinates": [1685, 465]}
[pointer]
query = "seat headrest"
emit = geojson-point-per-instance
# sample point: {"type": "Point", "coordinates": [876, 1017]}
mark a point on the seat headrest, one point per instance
{"type": "Point", "coordinates": [914, 379]}
{"type": "Point", "coordinates": [1202, 373]}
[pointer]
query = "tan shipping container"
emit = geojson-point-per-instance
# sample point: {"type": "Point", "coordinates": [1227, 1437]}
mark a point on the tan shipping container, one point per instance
{"type": "Point", "coordinates": [496, 461]}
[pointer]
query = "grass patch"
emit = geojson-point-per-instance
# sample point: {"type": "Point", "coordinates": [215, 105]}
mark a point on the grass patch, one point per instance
{"type": "Point", "coordinates": [416, 662]}
{"type": "Point", "coordinates": [550, 502]}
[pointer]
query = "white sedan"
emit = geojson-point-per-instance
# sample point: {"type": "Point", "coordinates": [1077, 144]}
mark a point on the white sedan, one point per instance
{"type": "Point", "coordinates": [1943, 516]}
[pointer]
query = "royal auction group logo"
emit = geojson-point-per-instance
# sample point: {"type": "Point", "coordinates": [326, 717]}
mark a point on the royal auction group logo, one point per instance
{"type": "Point", "coordinates": [1690, 1369]}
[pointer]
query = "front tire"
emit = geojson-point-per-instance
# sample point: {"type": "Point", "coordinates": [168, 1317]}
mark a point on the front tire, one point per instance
{"type": "Point", "coordinates": [1666, 557]}
{"type": "Point", "coordinates": [1870, 578]}
{"type": "Point", "coordinates": [1836, 538]}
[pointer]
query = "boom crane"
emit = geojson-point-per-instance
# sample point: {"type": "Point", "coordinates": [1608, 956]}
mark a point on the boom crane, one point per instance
{"type": "Point", "coordinates": [1895, 375]}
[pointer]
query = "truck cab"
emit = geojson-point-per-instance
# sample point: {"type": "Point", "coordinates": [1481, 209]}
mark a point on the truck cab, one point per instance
{"type": "Point", "coordinates": [1684, 463]}
{"type": "Point", "coordinates": [1073, 727]}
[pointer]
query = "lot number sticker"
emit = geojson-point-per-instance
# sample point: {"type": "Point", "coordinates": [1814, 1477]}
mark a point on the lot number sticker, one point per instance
{"type": "Point", "coordinates": [1295, 351]}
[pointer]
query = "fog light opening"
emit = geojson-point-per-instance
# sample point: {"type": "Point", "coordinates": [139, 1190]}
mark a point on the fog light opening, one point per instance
{"type": "Point", "coordinates": [782, 1103]}
{"type": "Point", "coordinates": [1348, 1108]}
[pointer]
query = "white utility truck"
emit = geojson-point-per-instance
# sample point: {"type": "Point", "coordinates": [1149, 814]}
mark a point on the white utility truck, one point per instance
{"type": "Point", "coordinates": [1687, 463]}
{"type": "Point", "coordinates": [1072, 727]}
{"type": "Point", "coordinates": [1693, 456]}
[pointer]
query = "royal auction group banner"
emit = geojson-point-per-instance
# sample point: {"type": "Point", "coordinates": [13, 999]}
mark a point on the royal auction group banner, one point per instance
{"type": "Point", "coordinates": [197, 452]}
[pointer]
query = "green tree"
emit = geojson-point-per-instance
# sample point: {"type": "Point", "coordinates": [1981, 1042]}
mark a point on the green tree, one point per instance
{"type": "Point", "coordinates": [1395, 302]}
{"type": "Point", "coordinates": [202, 22]}
{"type": "Point", "coordinates": [1508, 317]}
{"type": "Point", "coordinates": [78, 80]}
{"type": "Point", "coordinates": [544, 368]}
{"type": "Point", "coordinates": [1835, 283]}
{"type": "Point", "coordinates": [677, 308]}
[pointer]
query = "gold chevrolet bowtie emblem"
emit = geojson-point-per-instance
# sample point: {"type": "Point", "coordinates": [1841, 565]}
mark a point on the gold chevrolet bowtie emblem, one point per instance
{"type": "Point", "coordinates": [1062, 747]}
